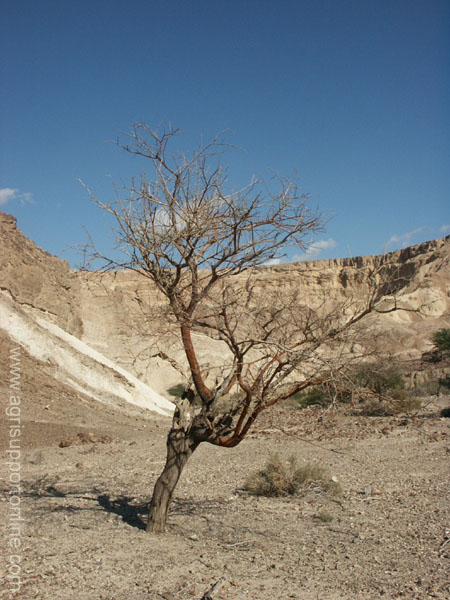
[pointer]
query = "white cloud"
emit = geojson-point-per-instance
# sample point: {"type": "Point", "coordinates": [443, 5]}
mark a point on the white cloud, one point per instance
{"type": "Point", "coordinates": [445, 229]}
{"type": "Point", "coordinates": [314, 249]}
{"type": "Point", "coordinates": [8, 194]}
{"type": "Point", "coordinates": [272, 262]}
{"type": "Point", "coordinates": [404, 239]}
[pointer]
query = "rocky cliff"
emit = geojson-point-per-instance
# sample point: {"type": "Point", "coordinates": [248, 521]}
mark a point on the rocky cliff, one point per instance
{"type": "Point", "coordinates": [109, 311]}
{"type": "Point", "coordinates": [40, 312]}
{"type": "Point", "coordinates": [36, 280]}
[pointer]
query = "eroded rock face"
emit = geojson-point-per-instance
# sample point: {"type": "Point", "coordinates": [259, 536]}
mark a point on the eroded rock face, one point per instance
{"type": "Point", "coordinates": [110, 311]}
{"type": "Point", "coordinates": [37, 280]}
{"type": "Point", "coordinates": [40, 313]}
{"type": "Point", "coordinates": [114, 306]}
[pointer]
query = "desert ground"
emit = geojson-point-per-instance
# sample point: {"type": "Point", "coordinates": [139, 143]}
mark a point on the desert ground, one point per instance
{"type": "Point", "coordinates": [87, 476]}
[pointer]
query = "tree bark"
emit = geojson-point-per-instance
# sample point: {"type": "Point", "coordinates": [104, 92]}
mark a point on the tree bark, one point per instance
{"type": "Point", "coordinates": [179, 448]}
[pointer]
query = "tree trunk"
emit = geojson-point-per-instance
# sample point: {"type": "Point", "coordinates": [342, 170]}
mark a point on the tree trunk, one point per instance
{"type": "Point", "coordinates": [179, 448]}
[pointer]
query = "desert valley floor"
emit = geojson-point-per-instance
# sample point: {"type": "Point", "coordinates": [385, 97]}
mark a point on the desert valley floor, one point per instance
{"type": "Point", "coordinates": [84, 503]}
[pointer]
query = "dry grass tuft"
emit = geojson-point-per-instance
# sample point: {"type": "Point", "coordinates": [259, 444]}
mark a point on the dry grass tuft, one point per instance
{"type": "Point", "coordinates": [324, 516]}
{"type": "Point", "coordinates": [397, 406]}
{"type": "Point", "coordinates": [278, 479]}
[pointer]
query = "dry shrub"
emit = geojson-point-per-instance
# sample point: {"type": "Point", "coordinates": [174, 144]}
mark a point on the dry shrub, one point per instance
{"type": "Point", "coordinates": [406, 405]}
{"type": "Point", "coordinates": [324, 516]}
{"type": "Point", "coordinates": [278, 479]}
{"type": "Point", "coordinates": [392, 407]}
{"type": "Point", "coordinates": [429, 387]}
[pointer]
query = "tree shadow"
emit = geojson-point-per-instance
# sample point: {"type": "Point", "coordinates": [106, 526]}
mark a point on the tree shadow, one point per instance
{"type": "Point", "coordinates": [126, 507]}
{"type": "Point", "coordinates": [122, 506]}
{"type": "Point", "coordinates": [40, 488]}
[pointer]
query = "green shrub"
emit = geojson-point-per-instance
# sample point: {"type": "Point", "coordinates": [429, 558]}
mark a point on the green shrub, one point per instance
{"type": "Point", "coordinates": [317, 395]}
{"type": "Point", "coordinates": [379, 378]}
{"type": "Point", "coordinates": [441, 350]}
{"type": "Point", "coordinates": [440, 354]}
{"type": "Point", "coordinates": [363, 383]}
{"type": "Point", "coordinates": [445, 381]}
{"type": "Point", "coordinates": [176, 390]}
{"type": "Point", "coordinates": [441, 340]}
{"type": "Point", "coordinates": [278, 479]}
{"type": "Point", "coordinates": [381, 391]}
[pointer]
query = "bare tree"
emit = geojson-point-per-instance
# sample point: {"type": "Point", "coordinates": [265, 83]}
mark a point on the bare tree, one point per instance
{"type": "Point", "coordinates": [203, 243]}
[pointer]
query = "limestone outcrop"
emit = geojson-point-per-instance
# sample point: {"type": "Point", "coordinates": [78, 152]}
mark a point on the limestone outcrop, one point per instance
{"type": "Point", "coordinates": [118, 313]}
{"type": "Point", "coordinates": [115, 306]}
{"type": "Point", "coordinates": [40, 312]}
{"type": "Point", "coordinates": [37, 280]}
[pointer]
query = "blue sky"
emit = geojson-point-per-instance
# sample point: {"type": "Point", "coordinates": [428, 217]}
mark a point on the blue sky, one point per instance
{"type": "Point", "coordinates": [353, 96]}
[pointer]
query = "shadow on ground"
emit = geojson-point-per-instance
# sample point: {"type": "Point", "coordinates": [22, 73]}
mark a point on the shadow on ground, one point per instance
{"type": "Point", "coordinates": [122, 506]}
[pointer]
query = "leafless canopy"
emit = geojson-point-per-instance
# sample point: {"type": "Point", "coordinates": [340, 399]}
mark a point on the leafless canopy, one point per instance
{"type": "Point", "coordinates": [185, 218]}
{"type": "Point", "coordinates": [194, 237]}
{"type": "Point", "coordinates": [186, 230]}
{"type": "Point", "coordinates": [191, 235]}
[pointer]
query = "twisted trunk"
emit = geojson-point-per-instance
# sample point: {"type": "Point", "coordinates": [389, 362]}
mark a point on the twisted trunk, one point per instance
{"type": "Point", "coordinates": [191, 426]}
{"type": "Point", "coordinates": [179, 448]}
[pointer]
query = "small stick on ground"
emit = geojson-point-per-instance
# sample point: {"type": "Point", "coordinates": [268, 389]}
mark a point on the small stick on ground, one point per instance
{"type": "Point", "coordinates": [215, 587]}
